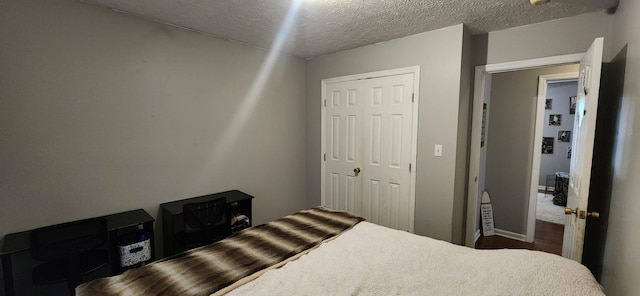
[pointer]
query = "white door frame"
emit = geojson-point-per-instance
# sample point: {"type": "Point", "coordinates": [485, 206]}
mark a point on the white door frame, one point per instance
{"type": "Point", "coordinates": [543, 81]}
{"type": "Point", "coordinates": [481, 84]}
{"type": "Point", "coordinates": [415, 70]}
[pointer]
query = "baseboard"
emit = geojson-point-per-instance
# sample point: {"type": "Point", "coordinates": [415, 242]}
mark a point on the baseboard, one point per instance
{"type": "Point", "coordinates": [511, 235]}
{"type": "Point", "coordinates": [477, 236]}
{"type": "Point", "coordinates": [545, 188]}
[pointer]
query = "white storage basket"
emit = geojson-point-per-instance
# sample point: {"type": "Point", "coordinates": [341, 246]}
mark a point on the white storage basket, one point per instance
{"type": "Point", "coordinates": [135, 253]}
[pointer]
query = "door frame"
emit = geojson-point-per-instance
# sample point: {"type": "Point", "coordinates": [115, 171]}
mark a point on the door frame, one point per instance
{"type": "Point", "coordinates": [543, 81]}
{"type": "Point", "coordinates": [482, 87]}
{"type": "Point", "coordinates": [415, 70]}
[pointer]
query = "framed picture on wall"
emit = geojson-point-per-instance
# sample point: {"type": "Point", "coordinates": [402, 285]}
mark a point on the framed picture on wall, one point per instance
{"type": "Point", "coordinates": [572, 104]}
{"type": "Point", "coordinates": [547, 145]}
{"type": "Point", "coordinates": [547, 104]}
{"type": "Point", "coordinates": [564, 136]}
{"type": "Point", "coordinates": [555, 119]}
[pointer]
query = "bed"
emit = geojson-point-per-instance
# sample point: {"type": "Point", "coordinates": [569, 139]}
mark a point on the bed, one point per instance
{"type": "Point", "coordinates": [324, 252]}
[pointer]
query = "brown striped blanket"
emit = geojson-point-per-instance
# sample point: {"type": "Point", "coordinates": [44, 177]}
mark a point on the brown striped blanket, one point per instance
{"type": "Point", "coordinates": [208, 269]}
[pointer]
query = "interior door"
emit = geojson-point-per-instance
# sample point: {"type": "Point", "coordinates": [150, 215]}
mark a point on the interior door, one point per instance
{"type": "Point", "coordinates": [343, 127]}
{"type": "Point", "coordinates": [387, 116]}
{"type": "Point", "coordinates": [602, 170]}
{"type": "Point", "coordinates": [368, 148]}
{"type": "Point", "coordinates": [582, 150]}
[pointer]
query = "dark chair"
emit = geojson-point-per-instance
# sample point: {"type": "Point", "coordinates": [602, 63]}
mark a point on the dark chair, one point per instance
{"type": "Point", "coordinates": [70, 250]}
{"type": "Point", "coordinates": [205, 223]}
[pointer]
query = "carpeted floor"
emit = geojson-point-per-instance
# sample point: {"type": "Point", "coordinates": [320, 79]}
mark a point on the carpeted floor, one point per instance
{"type": "Point", "coordinates": [547, 211]}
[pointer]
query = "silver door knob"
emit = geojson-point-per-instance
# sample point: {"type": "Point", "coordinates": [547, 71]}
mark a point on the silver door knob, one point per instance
{"type": "Point", "coordinates": [356, 171]}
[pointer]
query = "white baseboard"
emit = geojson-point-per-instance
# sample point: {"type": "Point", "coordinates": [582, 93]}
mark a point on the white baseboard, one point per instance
{"type": "Point", "coordinates": [477, 236]}
{"type": "Point", "coordinates": [511, 235]}
{"type": "Point", "coordinates": [545, 188]}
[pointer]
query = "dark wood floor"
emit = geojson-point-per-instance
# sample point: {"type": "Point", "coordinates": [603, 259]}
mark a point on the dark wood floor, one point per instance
{"type": "Point", "coordinates": [548, 239]}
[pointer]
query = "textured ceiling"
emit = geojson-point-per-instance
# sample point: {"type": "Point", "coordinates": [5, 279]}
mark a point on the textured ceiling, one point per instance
{"type": "Point", "coordinates": [327, 26]}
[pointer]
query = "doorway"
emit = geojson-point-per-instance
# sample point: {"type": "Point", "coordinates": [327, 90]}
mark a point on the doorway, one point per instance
{"type": "Point", "coordinates": [519, 229]}
{"type": "Point", "coordinates": [585, 132]}
{"type": "Point", "coordinates": [553, 134]}
{"type": "Point", "coordinates": [369, 139]}
{"type": "Point", "coordinates": [514, 149]}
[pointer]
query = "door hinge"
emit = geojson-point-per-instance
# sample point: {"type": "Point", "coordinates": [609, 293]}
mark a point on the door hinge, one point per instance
{"type": "Point", "coordinates": [325, 103]}
{"type": "Point", "coordinates": [325, 157]}
{"type": "Point", "coordinates": [409, 168]}
{"type": "Point", "coordinates": [412, 97]}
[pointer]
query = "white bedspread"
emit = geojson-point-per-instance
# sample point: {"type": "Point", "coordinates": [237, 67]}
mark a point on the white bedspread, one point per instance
{"type": "Point", "coordinates": [374, 260]}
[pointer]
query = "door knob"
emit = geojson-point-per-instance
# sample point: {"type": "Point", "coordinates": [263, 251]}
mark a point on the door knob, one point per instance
{"type": "Point", "coordinates": [582, 214]}
{"type": "Point", "coordinates": [594, 214]}
{"type": "Point", "coordinates": [356, 171]}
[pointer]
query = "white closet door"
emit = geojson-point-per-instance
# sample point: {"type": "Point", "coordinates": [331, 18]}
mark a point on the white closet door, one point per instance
{"type": "Point", "coordinates": [368, 134]}
{"type": "Point", "coordinates": [343, 127]}
{"type": "Point", "coordinates": [387, 121]}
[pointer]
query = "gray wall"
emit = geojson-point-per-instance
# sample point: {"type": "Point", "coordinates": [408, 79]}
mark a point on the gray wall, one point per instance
{"type": "Point", "coordinates": [439, 55]}
{"type": "Point", "coordinates": [559, 93]}
{"type": "Point", "coordinates": [104, 112]}
{"type": "Point", "coordinates": [464, 137]}
{"type": "Point", "coordinates": [510, 144]}
{"type": "Point", "coordinates": [562, 36]}
{"type": "Point", "coordinates": [621, 269]}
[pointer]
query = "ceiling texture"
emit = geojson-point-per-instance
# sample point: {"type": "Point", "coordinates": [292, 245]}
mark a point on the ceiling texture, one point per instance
{"type": "Point", "coordinates": [321, 27]}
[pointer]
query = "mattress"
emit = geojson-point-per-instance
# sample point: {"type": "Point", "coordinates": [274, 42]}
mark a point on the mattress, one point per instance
{"type": "Point", "coordinates": [374, 260]}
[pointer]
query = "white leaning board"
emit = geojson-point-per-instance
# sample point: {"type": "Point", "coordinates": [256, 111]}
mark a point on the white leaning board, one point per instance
{"type": "Point", "coordinates": [486, 212]}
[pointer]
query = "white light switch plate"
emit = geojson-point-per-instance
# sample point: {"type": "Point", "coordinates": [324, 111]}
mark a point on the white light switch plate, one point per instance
{"type": "Point", "coordinates": [437, 151]}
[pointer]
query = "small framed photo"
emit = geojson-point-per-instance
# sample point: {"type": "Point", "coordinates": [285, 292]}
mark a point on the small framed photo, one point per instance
{"type": "Point", "coordinates": [547, 145]}
{"type": "Point", "coordinates": [564, 136]}
{"type": "Point", "coordinates": [547, 104]}
{"type": "Point", "coordinates": [572, 104]}
{"type": "Point", "coordinates": [555, 119]}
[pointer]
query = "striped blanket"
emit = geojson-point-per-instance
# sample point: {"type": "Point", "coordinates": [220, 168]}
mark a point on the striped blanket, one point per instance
{"type": "Point", "coordinates": [216, 267]}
